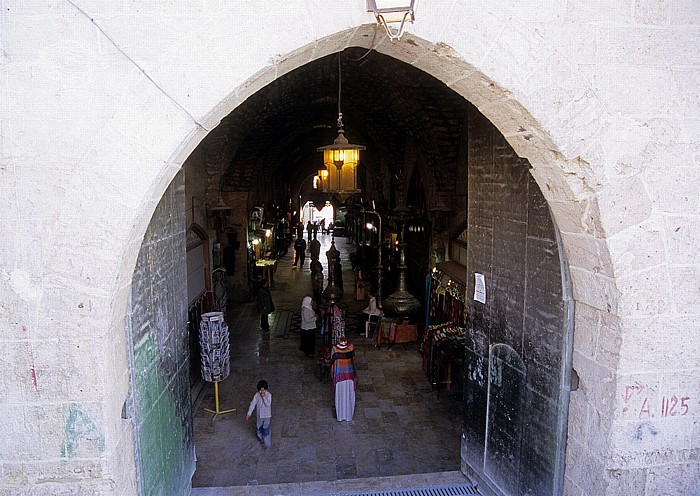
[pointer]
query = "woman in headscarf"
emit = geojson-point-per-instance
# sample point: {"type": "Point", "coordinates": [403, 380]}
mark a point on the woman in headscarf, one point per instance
{"type": "Point", "coordinates": [344, 378]}
{"type": "Point", "coordinates": [308, 327]}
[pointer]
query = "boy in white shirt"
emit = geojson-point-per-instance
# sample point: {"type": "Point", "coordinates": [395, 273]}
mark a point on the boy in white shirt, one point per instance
{"type": "Point", "coordinates": [263, 402]}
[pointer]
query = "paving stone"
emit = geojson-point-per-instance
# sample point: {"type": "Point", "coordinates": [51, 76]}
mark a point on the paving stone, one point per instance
{"type": "Point", "coordinates": [400, 426]}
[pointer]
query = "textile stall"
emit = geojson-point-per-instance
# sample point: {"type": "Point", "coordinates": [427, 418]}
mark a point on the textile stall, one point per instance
{"type": "Point", "coordinates": [446, 294]}
{"type": "Point", "coordinates": [443, 343]}
{"type": "Point", "coordinates": [443, 349]}
{"type": "Point", "coordinates": [395, 331]}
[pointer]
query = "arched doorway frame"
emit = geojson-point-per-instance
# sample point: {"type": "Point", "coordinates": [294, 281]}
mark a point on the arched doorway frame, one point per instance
{"type": "Point", "coordinates": [562, 181]}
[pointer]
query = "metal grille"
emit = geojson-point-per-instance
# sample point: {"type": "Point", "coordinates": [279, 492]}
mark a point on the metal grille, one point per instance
{"type": "Point", "coordinates": [451, 490]}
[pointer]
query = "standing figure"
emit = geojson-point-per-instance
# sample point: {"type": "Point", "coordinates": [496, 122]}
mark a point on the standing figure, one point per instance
{"type": "Point", "coordinates": [299, 251]}
{"type": "Point", "coordinates": [308, 327]}
{"type": "Point", "coordinates": [309, 229]}
{"type": "Point", "coordinates": [338, 273]}
{"type": "Point", "coordinates": [265, 305]}
{"type": "Point", "coordinates": [317, 282]}
{"type": "Point", "coordinates": [262, 401]}
{"type": "Point", "coordinates": [315, 248]}
{"type": "Point", "coordinates": [344, 378]}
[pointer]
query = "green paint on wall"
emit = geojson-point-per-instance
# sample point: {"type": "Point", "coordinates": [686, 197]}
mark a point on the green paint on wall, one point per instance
{"type": "Point", "coordinates": [82, 433]}
{"type": "Point", "coordinates": [158, 330]}
{"type": "Point", "coordinates": [164, 460]}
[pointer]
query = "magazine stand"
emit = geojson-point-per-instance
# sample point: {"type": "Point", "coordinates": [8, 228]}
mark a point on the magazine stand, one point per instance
{"type": "Point", "coordinates": [214, 343]}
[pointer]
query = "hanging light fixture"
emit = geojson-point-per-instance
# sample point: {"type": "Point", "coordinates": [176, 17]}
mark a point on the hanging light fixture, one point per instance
{"type": "Point", "coordinates": [392, 12]}
{"type": "Point", "coordinates": [340, 158]}
{"type": "Point", "coordinates": [322, 179]}
{"type": "Point", "coordinates": [220, 213]}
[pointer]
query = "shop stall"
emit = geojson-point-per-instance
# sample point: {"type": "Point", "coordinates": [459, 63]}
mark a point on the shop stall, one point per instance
{"type": "Point", "coordinates": [443, 343]}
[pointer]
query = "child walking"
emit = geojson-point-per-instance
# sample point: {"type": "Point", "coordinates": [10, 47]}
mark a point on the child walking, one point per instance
{"type": "Point", "coordinates": [263, 402]}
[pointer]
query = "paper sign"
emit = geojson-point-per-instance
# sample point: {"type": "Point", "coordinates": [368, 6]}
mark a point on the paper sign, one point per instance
{"type": "Point", "coordinates": [479, 287]}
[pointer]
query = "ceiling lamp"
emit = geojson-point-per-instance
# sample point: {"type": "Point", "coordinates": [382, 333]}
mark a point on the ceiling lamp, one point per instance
{"type": "Point", "coordinates": [220, 213]}
{"type": "Point", "coordinates": [321, 179]}
{"type": "Point", "coordinates": [340, 158]}
{"type": "Point", "coordinates": [394, 12]}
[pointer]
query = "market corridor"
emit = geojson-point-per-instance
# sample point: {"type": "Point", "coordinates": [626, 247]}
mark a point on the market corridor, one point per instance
{"type": "Point", "coordinates": [400, 425]}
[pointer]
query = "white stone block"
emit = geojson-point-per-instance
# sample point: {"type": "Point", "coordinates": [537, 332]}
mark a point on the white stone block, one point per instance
{"type": "Point", "coordinates": [588, 253]}
{"type": "Point", "coordinates": [625, 203]}
{"type": "Point", "coordinates": [685, 284]}
{"type": "Point", "coordinates": [684, 13]}
{"type": "Point", "coordinates": [581, 216]}
{"type": "Point", "coordinates": [472, 27]}
{"type": "Point", "coordinates": [637, 442]}
{"type": "Point", "coordinates": [600, 12]}
{"type": "Point", "coordinates": [627, 481]}
{"type": "Point", "coordinates": [479, 90]}
{"type": "Point", "coordinates": [597, 383]}
{"type": "Point", "coordinates": [652, 12]}
{"type": "Point", "coordinates": [682, 239]}
{"type": "Point", "coordinates": [516, 55]}
{"type": "Point", "coordinates": [586, 330]}
{"type": "Point", "coordinates": [649, 47]}
{"type": "Point", "coordinates": [608, 344]}
{"type": "Point", "coordinates": [659, 343]}
{"type": "Point", "coordinates": [594, 289]}
{"type": "Point", "coordinates": [675, 190]}
{"type": "Point", "coordinates": [680, 479]}
{"type": "Point", "coordinates": [578, 417]}
{"type": "Point", "coordinates": [53, 471]}
{"type": "Point", "coordinates": [443, 62]}
{"type": "Point", "coordinates": [637, 248]}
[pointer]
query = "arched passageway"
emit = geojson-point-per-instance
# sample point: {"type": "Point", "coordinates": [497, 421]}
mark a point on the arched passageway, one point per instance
{"type": "Point", "coordinates": [412, 122]}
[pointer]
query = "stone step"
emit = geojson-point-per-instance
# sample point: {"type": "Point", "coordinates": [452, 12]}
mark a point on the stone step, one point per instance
{"type": "Point", "coordinates": [373, 485]}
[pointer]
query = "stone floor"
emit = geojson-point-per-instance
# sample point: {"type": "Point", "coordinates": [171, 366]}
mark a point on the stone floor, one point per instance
{"type": "Point", "coordinates": [400, 425]}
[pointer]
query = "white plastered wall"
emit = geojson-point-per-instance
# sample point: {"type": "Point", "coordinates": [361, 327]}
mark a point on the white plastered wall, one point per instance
{"type": "Point", "coordinates": [101, 103]}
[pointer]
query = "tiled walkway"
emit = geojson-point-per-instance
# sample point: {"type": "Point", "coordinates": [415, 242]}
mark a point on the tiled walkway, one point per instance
{"type": "Point", "coordinates": [400, 425]}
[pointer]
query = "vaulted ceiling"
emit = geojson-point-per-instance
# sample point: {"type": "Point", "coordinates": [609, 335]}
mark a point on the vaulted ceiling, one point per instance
{"type": "Point", "coordinates": [274, 134]}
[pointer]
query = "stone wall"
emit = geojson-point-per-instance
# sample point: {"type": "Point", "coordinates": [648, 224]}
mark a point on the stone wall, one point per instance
{"type": "Point", "coordinates": [102, 103]}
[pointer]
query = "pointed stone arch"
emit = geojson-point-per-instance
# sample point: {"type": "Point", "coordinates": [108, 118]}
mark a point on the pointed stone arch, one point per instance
{"type": "Point", "coordinates": [563, 181]}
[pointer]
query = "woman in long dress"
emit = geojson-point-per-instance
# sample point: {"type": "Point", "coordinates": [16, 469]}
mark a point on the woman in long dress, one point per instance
{"type": "Point", "coordinates": [308, 327]}
{"type": "Point", "coordinates": [344, 378]}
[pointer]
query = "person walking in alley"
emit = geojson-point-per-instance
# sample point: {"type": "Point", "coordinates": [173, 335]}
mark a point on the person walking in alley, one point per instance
{"type": "Point", "coordinates": [308, 327]}
{"type": "Point", "coordinates": [262, 401]}
{"type": "Point", "coordinates": [309, 229]}
{"type": "Point", "coordinates": [314, 248]}
{"type": "Point", "coordinates": [299, 251]}
{"type": "Point", "coordinates": [265, 305]}
{"type": "Point", "coordinates": [317, 282]}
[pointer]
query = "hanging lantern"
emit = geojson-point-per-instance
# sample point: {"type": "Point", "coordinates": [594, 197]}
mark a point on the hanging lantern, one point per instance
{"type": "Point", "coordinates": [340, 158]}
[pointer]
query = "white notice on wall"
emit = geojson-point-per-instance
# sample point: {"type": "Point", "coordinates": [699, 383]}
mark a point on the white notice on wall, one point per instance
{"type": "Point", "coordinates": [479, 287]}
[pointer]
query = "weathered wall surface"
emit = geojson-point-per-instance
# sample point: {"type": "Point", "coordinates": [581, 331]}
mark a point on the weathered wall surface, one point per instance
{"type": "Point", "coordinates": [159, 401]}
{"type": "Point", "coordinates": [518, 346]}
{"type": "Point", "coordinates": [101, 103]}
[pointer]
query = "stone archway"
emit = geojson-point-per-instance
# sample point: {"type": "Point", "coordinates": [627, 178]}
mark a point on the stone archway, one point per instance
{"type": "Point", "coordinates": [150, 104]}
{"type": "Point", "coordinates": [529, 138]}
